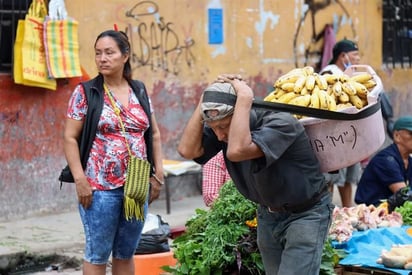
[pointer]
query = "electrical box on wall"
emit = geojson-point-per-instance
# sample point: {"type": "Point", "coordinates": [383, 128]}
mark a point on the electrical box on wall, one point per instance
{"type": "Point", "coordinates": [215, 26]}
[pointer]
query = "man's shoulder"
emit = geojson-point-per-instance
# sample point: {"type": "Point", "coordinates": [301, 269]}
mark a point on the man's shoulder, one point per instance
{"type": "Point", "coordinates": [331, 69]}
{"type": "Point", "coordinates": [385, 156]}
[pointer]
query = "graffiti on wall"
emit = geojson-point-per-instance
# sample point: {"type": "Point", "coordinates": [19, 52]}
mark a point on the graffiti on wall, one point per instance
{"type": "Point", "coordinates": [157, 44]}
{"type": "Point", "coordinates": [308, 50]}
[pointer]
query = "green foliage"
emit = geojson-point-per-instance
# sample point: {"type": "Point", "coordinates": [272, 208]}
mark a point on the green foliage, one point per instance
{"type": "Point", "coordinates": [330, 258]}
{"type": "Point", "coordinates": [217, 241]}
{"type": "Point", "coordinates": [406, 212]}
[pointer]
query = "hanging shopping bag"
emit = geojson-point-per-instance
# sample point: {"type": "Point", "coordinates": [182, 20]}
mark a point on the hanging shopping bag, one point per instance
{"type": "Point", "coordinates": [61, 42]}
{"type": "Point", "coordinates": [30, 62]}
{"type": "Point", "coordinates": [17, 54]}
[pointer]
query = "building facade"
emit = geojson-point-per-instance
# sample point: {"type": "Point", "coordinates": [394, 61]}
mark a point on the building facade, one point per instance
{"type": "Point", "coordinates": [178, 48]}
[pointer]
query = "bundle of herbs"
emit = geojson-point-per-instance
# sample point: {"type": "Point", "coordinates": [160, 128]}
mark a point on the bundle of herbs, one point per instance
{"type": "Point", "coordinates": [218, 241]}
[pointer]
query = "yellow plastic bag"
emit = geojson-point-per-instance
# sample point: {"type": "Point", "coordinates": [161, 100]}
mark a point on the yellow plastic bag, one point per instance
{"type": "Point", "coordinates": [30, 66]}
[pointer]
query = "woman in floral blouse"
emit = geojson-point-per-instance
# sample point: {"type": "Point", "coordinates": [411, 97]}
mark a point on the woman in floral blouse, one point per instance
{"type": "Point", "coordinates": [100, 185]}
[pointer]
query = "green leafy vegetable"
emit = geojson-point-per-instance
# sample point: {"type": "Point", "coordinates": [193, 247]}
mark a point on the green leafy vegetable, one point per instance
{"type": "Point", "coordinates": [406, 212]}
{"type": "Point", "coordinates": [218, 241]}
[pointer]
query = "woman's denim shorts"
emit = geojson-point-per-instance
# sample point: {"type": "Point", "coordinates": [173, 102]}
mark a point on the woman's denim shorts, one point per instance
{"type": "Point", "coordinates": [106, 229]}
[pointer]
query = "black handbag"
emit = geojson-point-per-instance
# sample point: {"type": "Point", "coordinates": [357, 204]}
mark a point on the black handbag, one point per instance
{"type": "Point", "coordinates": [65, 176]}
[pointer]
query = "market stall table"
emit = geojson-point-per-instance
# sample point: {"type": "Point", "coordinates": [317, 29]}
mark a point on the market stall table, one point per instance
{"type": "Point", "coordinates": [365, 247]}
{"type": "Point", "coordinates": [184, 172]}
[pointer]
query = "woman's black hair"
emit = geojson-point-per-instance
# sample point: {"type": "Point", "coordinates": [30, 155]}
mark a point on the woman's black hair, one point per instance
{"type": "Point", "coordinates": [122, 42]}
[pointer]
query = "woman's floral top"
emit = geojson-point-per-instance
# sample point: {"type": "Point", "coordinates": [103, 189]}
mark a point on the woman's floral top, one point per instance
{"type": "Point", "coordinates": [107, 163]}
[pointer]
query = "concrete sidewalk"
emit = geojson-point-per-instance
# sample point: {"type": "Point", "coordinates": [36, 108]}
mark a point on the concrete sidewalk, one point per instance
{"type": "Point", "coordinates": [63, 233]}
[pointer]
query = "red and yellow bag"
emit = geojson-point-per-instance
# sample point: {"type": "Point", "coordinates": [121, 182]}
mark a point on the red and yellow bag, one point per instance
{"type": "Point", "coordinates": [61, 43]}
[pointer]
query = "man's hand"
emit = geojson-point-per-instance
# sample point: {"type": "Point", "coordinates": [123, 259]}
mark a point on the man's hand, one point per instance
{"type": "Point", "coordinates": [239, 85]}
{"type": "Point", "coordinates": [228, 77]}
{"type": "Point", "coordinates": [399, 198]}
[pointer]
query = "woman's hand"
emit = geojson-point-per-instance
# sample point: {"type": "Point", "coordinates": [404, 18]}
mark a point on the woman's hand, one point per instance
{"type": "Point", "coordinates": [156, 183]}
{"type": "Point", "coordinates": [84, 192]}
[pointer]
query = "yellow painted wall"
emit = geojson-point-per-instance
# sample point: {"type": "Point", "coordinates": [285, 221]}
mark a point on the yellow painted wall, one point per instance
{"type": "Point", "coordinates": [260, 37]}
{"type": "Point", "coordinates": [171, 54]}
{"type": "Point", "coordinates": [262, 40]}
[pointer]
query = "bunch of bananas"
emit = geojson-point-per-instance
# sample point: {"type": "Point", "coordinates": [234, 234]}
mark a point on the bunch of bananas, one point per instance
{"type": "Point", "coordinates": [305, 87]}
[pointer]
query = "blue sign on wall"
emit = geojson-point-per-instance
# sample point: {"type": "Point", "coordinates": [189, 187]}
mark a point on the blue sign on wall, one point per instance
{"type": "Point", "coordinates": [215, 26]}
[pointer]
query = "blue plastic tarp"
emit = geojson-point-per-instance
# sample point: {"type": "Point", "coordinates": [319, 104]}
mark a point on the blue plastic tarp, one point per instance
{"type": "Point", "coordinates": [365, 247]}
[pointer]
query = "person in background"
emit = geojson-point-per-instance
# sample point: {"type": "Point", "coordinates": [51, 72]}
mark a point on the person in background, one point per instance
{"type": "Point", "coordinates": [390, 169]}
{"type": "Point", "coordinates": [345, 54]}
{"type": "Point", "coordinates": [215, 175]}
{"type": "Point", "coordinates": [271, 162]}
{"type": "Point", "coordinates": [100, 186]}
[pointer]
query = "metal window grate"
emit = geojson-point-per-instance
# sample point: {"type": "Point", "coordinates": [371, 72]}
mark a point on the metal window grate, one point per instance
{"type": "Point", "coordinates": [10, 12]}
{"type": "Point", "coordinates": [397, 33]}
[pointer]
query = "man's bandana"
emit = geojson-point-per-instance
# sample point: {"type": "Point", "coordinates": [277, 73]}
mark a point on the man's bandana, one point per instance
{"type": "Point", "coordinates": [218, 101]}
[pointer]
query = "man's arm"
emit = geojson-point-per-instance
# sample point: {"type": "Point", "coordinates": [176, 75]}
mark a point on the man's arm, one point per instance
{"type": "Point", "coordinates": [240, 144]}
{"type": "Point", "coordinates": [396, 186]}
{"type": "Point", "coordinates": [190, 145]}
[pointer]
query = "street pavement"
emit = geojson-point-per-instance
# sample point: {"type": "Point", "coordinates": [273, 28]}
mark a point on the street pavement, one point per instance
{"type": "Point", "coordinates": [62, 233]}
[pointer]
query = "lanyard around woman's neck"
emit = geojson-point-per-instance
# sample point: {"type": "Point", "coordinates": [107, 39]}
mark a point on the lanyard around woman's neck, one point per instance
{"type": "Point", "coordinates": [117, 112]}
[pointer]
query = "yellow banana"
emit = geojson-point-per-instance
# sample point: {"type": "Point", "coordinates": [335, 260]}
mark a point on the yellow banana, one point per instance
{"type": "Point", "coordinates": [279, 92]}
{"type": "Point", "coordinates": [288, 86]}
{"type": "Point", "coordinates": [331, 78]}
{"type": "Point", "coordinates": [331, 93]}
{"type": "Point", "coordinates": [323, 99]}
{"type": "Point", "coordinates": [314, 101]}
{"type": "Point", "coordinates": [370, 84]}
{"type": "Point", "coordinates": [331, 102]}
{"type": "Point", "coordinates": [343, 98]}
{"type": "Point", "coordinates": [364, 101]}
{"type": "Point", "coordinates": [304, 91]}
{"type": "Point", "coordinates": [309, 70]}
{"type": "Point", "coordinates": [301, 100]}
{"type": "Point", "coordinates": [361, 90]}
{"type": "Point", "coordinates": [361, 77]}
{"type": "Point", "coordinates": [287, 97]}
{"type": "Point", "coordinates": [343, 78]}
{"type": "Point", "coordinates": [337, 88]}
{"type": "Point", "coordinates": [297, 71]}
{"type": "Point", "coordinates": [356, 101]}
{"type": "Point", "coordinates": [290, 77]}
{"type": "Point", "coordinates": [348, 88]}
{"type": "Point", "coordinates": [270, 97]}
{"type": "Point", "coordinates": [299, 84]}
{"type": "Point", "coordinates": [329, 90]}
{"type": "Point", "coordinates": [321, 81]}
{"type": "Point", "coordinates": [310, 82]}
